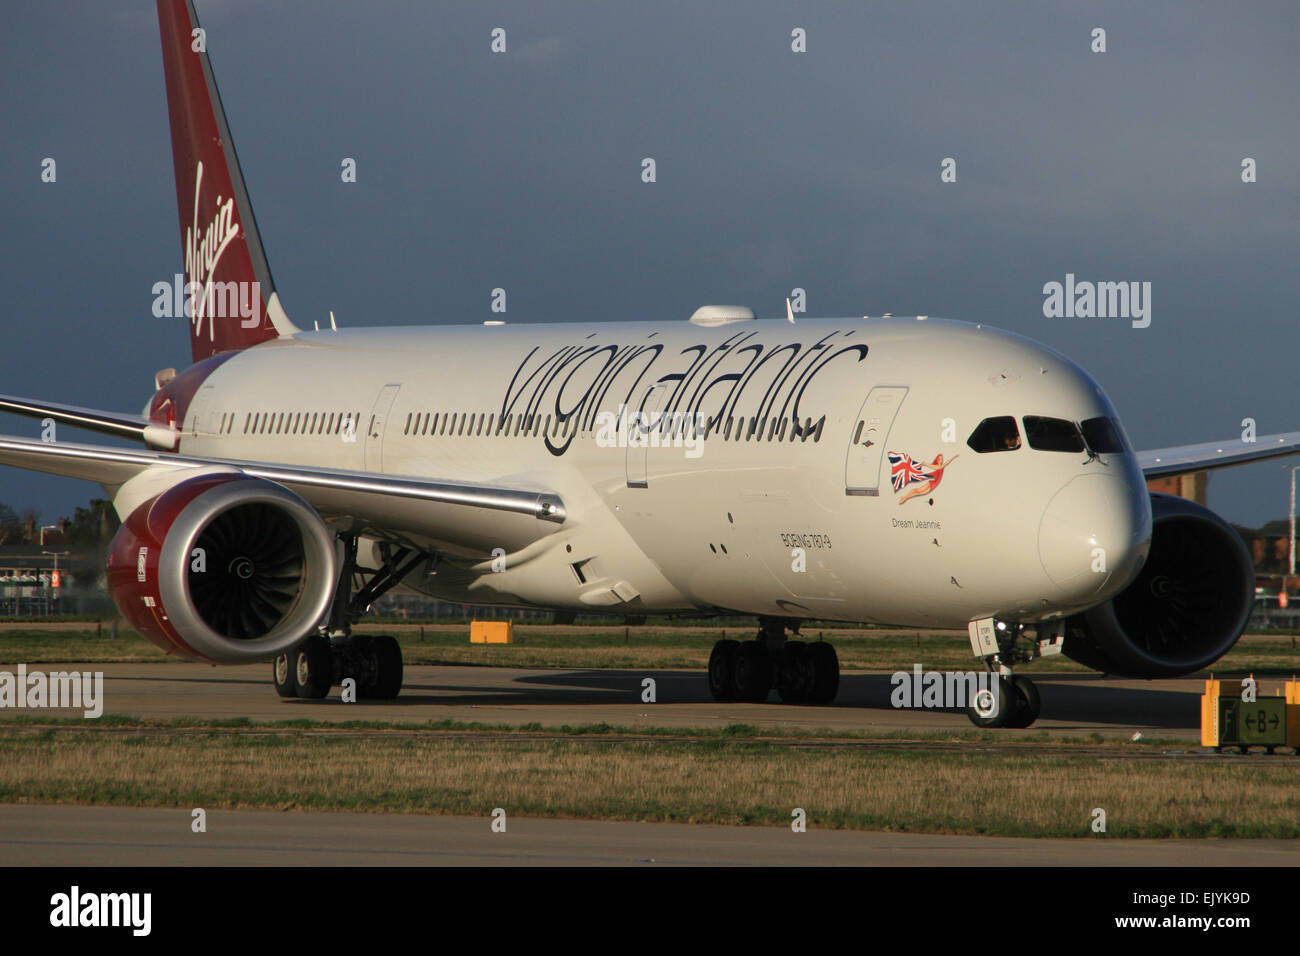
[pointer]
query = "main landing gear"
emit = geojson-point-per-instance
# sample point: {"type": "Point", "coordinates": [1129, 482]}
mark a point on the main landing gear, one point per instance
{"type": "Point", "coordinates": [1008, 700]}
{"type": "Point", "coordinates": [749, 670]}
{"type": "Point", "coordinates": [334, 654]}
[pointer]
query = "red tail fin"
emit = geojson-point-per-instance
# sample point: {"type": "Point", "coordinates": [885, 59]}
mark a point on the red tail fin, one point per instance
{"type": "Point", "coordinates": [230, 298]}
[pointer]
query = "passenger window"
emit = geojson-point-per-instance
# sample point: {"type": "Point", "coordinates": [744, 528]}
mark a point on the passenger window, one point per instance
{"type": "Point", "coordinates": [1102, 436]}
{"type": "Point", "coordinates": [1052, 434]}
{"type": "Point", "coordinates": [996, 434]}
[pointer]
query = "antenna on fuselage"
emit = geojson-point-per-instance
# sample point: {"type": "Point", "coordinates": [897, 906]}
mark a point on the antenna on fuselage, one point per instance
{"type": "Point", "coordinates": [333, 325]}
{"type": "Point", "coordinates": [789, 312]}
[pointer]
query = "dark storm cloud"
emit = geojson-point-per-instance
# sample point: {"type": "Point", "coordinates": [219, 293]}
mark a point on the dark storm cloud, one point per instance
{"type": "Point", "coordinates": [775, 170]}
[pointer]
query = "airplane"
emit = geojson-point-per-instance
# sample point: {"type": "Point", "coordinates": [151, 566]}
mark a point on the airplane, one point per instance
{"type": "Point", "coordinates": [908, 471]}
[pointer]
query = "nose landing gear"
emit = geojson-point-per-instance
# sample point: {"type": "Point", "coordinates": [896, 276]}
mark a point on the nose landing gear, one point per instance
{"type": "Point", "coordinates": [1010, 701]}
{"type": "Point", "coordinates": [1006, 703]}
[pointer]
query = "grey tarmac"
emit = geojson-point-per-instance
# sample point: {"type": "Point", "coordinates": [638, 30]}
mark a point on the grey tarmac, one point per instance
{"type": "Point", "coordinates": [1073, 704]}
{"type": "Point", "coordinates": [128, 836]}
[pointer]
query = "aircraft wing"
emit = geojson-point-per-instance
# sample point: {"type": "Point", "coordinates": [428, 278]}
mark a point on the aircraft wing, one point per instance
{"type": "Point", "coordinates": [1207, 456]}
{"type": "Point", "coordinates": [106, 423]}
{"type": "Point", "coordinates": [470, 514]}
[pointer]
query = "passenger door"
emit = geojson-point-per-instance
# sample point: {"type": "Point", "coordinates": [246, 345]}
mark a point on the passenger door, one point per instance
{"type": "Point", "coordinates": [868, 437]}
{"type": "Point", "coordinates": [643, 427]}
{"type": "Point", "coordinates": [374, 447]}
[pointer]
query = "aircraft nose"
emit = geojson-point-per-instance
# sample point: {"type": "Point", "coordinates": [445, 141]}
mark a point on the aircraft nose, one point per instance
{"type": "Point", "coordinates": [1095, 531]}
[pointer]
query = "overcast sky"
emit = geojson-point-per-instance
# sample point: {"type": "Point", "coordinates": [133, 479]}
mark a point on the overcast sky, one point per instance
{"type": "Point", "coordinates": [775, 170]}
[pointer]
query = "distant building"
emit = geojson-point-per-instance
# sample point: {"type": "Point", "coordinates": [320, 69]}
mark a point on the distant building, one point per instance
{"type": "Point", "coordinates": [32, 583]}
{"type": "Point", "coordinates": [1192, 487]}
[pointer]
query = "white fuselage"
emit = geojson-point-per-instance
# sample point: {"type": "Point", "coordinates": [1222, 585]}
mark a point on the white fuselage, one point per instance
{"type": "Point", "coordinates": [761, 516]}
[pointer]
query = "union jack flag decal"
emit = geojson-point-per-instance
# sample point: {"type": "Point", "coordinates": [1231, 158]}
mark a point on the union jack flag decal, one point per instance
{"type": "Point", "coordinates": [905, 470]}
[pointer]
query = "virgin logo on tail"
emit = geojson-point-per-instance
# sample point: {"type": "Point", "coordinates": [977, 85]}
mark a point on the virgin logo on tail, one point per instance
{"type": "Point", "coordinates": [209, 300]}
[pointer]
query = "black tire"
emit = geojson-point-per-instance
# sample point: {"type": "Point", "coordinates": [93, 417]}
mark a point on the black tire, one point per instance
{"type": "Point", "coordinates": [753, 672]}
{"type": "Point", "coordinates": [384, 656]}
{"type": "Point", "coordinates": [313, 668]}
{"type": "Point", "coordinates": [794, 678]}
{"type": "Point", "coordinates": [282, 674]}
{"type": "Point", "coordinates": [722, 666]}
{"type": "Point", "coordinates": [826, 672]}
{"type": "Point", "coordinates": [1028, 703]}
{"type": "Point", "coordinates": [994, 709]}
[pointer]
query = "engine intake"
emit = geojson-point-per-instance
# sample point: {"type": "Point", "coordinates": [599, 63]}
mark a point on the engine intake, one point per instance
{"type": "Point", "coordinates": [223, 568]}
{"type": "Point", "coordinates": [1184, 610]}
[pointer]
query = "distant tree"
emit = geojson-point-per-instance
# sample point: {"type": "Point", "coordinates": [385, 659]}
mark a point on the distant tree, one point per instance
{"type": "Point", "coordinates": [30, 519]}
{"type": "Point", "coordinates": [93, 526]}
{"type": "Point", "coordinates": [11, 527]}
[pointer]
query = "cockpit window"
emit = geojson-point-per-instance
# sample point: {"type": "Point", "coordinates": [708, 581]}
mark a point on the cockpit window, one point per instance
{"type": "Point", "coordinates": [1102, 436]}
{"type": "Point", "coordinates": [995, 434]}
{"type": "Point", "coordinates": [1052, 434]}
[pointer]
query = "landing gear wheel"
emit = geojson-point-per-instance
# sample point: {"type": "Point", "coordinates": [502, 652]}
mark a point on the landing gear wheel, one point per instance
{"type": "Point", "coordinates": [795, 678]}
{"type": "Point", "coordinates": [752, 673]}
{"type": "Point", "coordinates": [1028, 703]}
{"type": "Point", "coordinates": [994, 709]}
{"type": "Point", "coordinates": [313, 669]}
{"type": "Point", "coordinates": [826, 673]}
{"type": "Point", "coordinates": [283, 676]}
{"type": "Point", "coordinates": [383, 681]}
{"type": "Point", "coordinates": [722, 667]}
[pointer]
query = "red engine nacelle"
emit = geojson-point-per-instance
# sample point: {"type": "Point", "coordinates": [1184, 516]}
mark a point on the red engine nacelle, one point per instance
{"type": "Point", "coordinates": [223, 568]}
